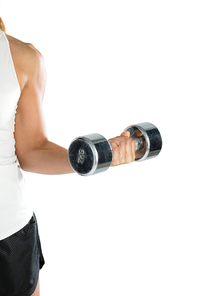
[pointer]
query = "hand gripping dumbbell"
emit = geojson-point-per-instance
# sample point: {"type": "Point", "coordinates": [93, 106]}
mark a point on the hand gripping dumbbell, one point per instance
{"type": "Point", "coordinates": [92, 154]}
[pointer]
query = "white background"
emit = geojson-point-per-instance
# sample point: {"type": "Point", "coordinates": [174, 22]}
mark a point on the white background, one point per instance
{"type": "Point", "coordinates": [110, 64]}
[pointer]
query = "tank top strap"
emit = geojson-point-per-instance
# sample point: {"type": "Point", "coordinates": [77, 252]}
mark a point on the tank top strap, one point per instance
{"type": "Point", "coordinates": [8, 77]}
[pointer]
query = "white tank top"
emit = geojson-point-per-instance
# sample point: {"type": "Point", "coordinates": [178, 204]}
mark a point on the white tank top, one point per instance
{"type": "Point", "coordinates": [15, 209]}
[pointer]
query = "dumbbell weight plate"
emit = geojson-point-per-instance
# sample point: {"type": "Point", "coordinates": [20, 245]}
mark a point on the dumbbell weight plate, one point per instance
{"type": "Point", "coordinates": [90, 154]}
{"type": "Point", "coordinates": [151, 138]}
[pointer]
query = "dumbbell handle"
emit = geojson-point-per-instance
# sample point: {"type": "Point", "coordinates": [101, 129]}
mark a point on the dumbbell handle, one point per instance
{"type": "Point", "coordinates": [139, 143]}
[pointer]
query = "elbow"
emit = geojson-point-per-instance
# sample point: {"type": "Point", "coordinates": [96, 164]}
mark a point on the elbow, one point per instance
{"type": "Point", "coordinates": [25, 168]}
{"type": "Point", "coordinates": [30, 159]}
{"type": "Point", "coordinates": [24, 163]}
{"type": "Point", "coordinates": [26, 160]}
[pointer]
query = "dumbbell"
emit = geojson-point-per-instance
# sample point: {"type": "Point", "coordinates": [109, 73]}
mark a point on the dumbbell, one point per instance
{"type": "Point", "coordinates": [92, 154]}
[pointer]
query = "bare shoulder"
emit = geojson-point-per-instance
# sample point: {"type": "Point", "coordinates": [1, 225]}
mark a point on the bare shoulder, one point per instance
{"type": "Point", "coordinates": [23, 49]}
{"type": "Point", "coordinates": [28, 61]}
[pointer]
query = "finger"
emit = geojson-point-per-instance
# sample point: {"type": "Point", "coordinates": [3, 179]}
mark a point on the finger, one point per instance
{"type": "Point", "coordinates": [133, 149]}
{"type": "Point", "coordinates": [129, 151]}
{"type": "Point", "coordinates": [115, 158]}
{"type": "Point", "coordinates": [119, 139]}
{"type": "Point", "coordinates": [122, 152]}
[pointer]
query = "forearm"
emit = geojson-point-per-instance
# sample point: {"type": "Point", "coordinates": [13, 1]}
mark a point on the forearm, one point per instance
{"type": "Point", "coordinates": [49, 158]}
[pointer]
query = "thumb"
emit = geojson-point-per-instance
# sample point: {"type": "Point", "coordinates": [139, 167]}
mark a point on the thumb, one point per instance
{"type": "Point", "coordinates": [126, 134]}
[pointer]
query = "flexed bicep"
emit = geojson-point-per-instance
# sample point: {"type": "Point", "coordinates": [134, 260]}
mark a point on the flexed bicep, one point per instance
{"type": "Point", "coordinates": [30, 129]}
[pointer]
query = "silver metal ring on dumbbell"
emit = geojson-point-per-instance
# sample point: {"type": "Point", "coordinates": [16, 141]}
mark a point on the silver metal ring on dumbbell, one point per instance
{"type": "Point", "coordinates": [150, 136]}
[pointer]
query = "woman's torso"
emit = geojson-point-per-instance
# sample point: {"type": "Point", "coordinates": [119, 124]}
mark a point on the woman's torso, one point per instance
{"type": "Point", "coordinates": [15, 210]}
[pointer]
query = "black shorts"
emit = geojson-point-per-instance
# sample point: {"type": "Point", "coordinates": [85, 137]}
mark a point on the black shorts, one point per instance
{"type": "Point", "coordinates": [20, 261]}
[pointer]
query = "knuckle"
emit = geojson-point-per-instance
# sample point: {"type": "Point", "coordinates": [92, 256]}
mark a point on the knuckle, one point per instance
{"type": "Point", "coordinates": [123, 143]}
{"type": "Point", "coordinates": [127, 141]}
{"type": "Point", "coordinates": [130, 141]}
{"type": "Point", "coordinates": [133, 143]}
{"type": "Point", "coordinates": [115, 149]}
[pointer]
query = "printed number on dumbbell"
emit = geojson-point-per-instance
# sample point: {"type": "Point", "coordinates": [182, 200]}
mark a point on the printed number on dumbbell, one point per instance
{"type": "Point", "coordinates": [81, 156]}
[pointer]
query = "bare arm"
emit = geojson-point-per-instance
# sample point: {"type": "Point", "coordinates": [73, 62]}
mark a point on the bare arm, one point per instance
{"type": "Point", "coordinates": [34, 151]}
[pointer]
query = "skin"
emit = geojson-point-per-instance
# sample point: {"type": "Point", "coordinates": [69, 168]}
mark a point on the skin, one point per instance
{"type": "Point", "coordinates": [33, 149]}
{"type": "Point", "coordinates": [37, 290]}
